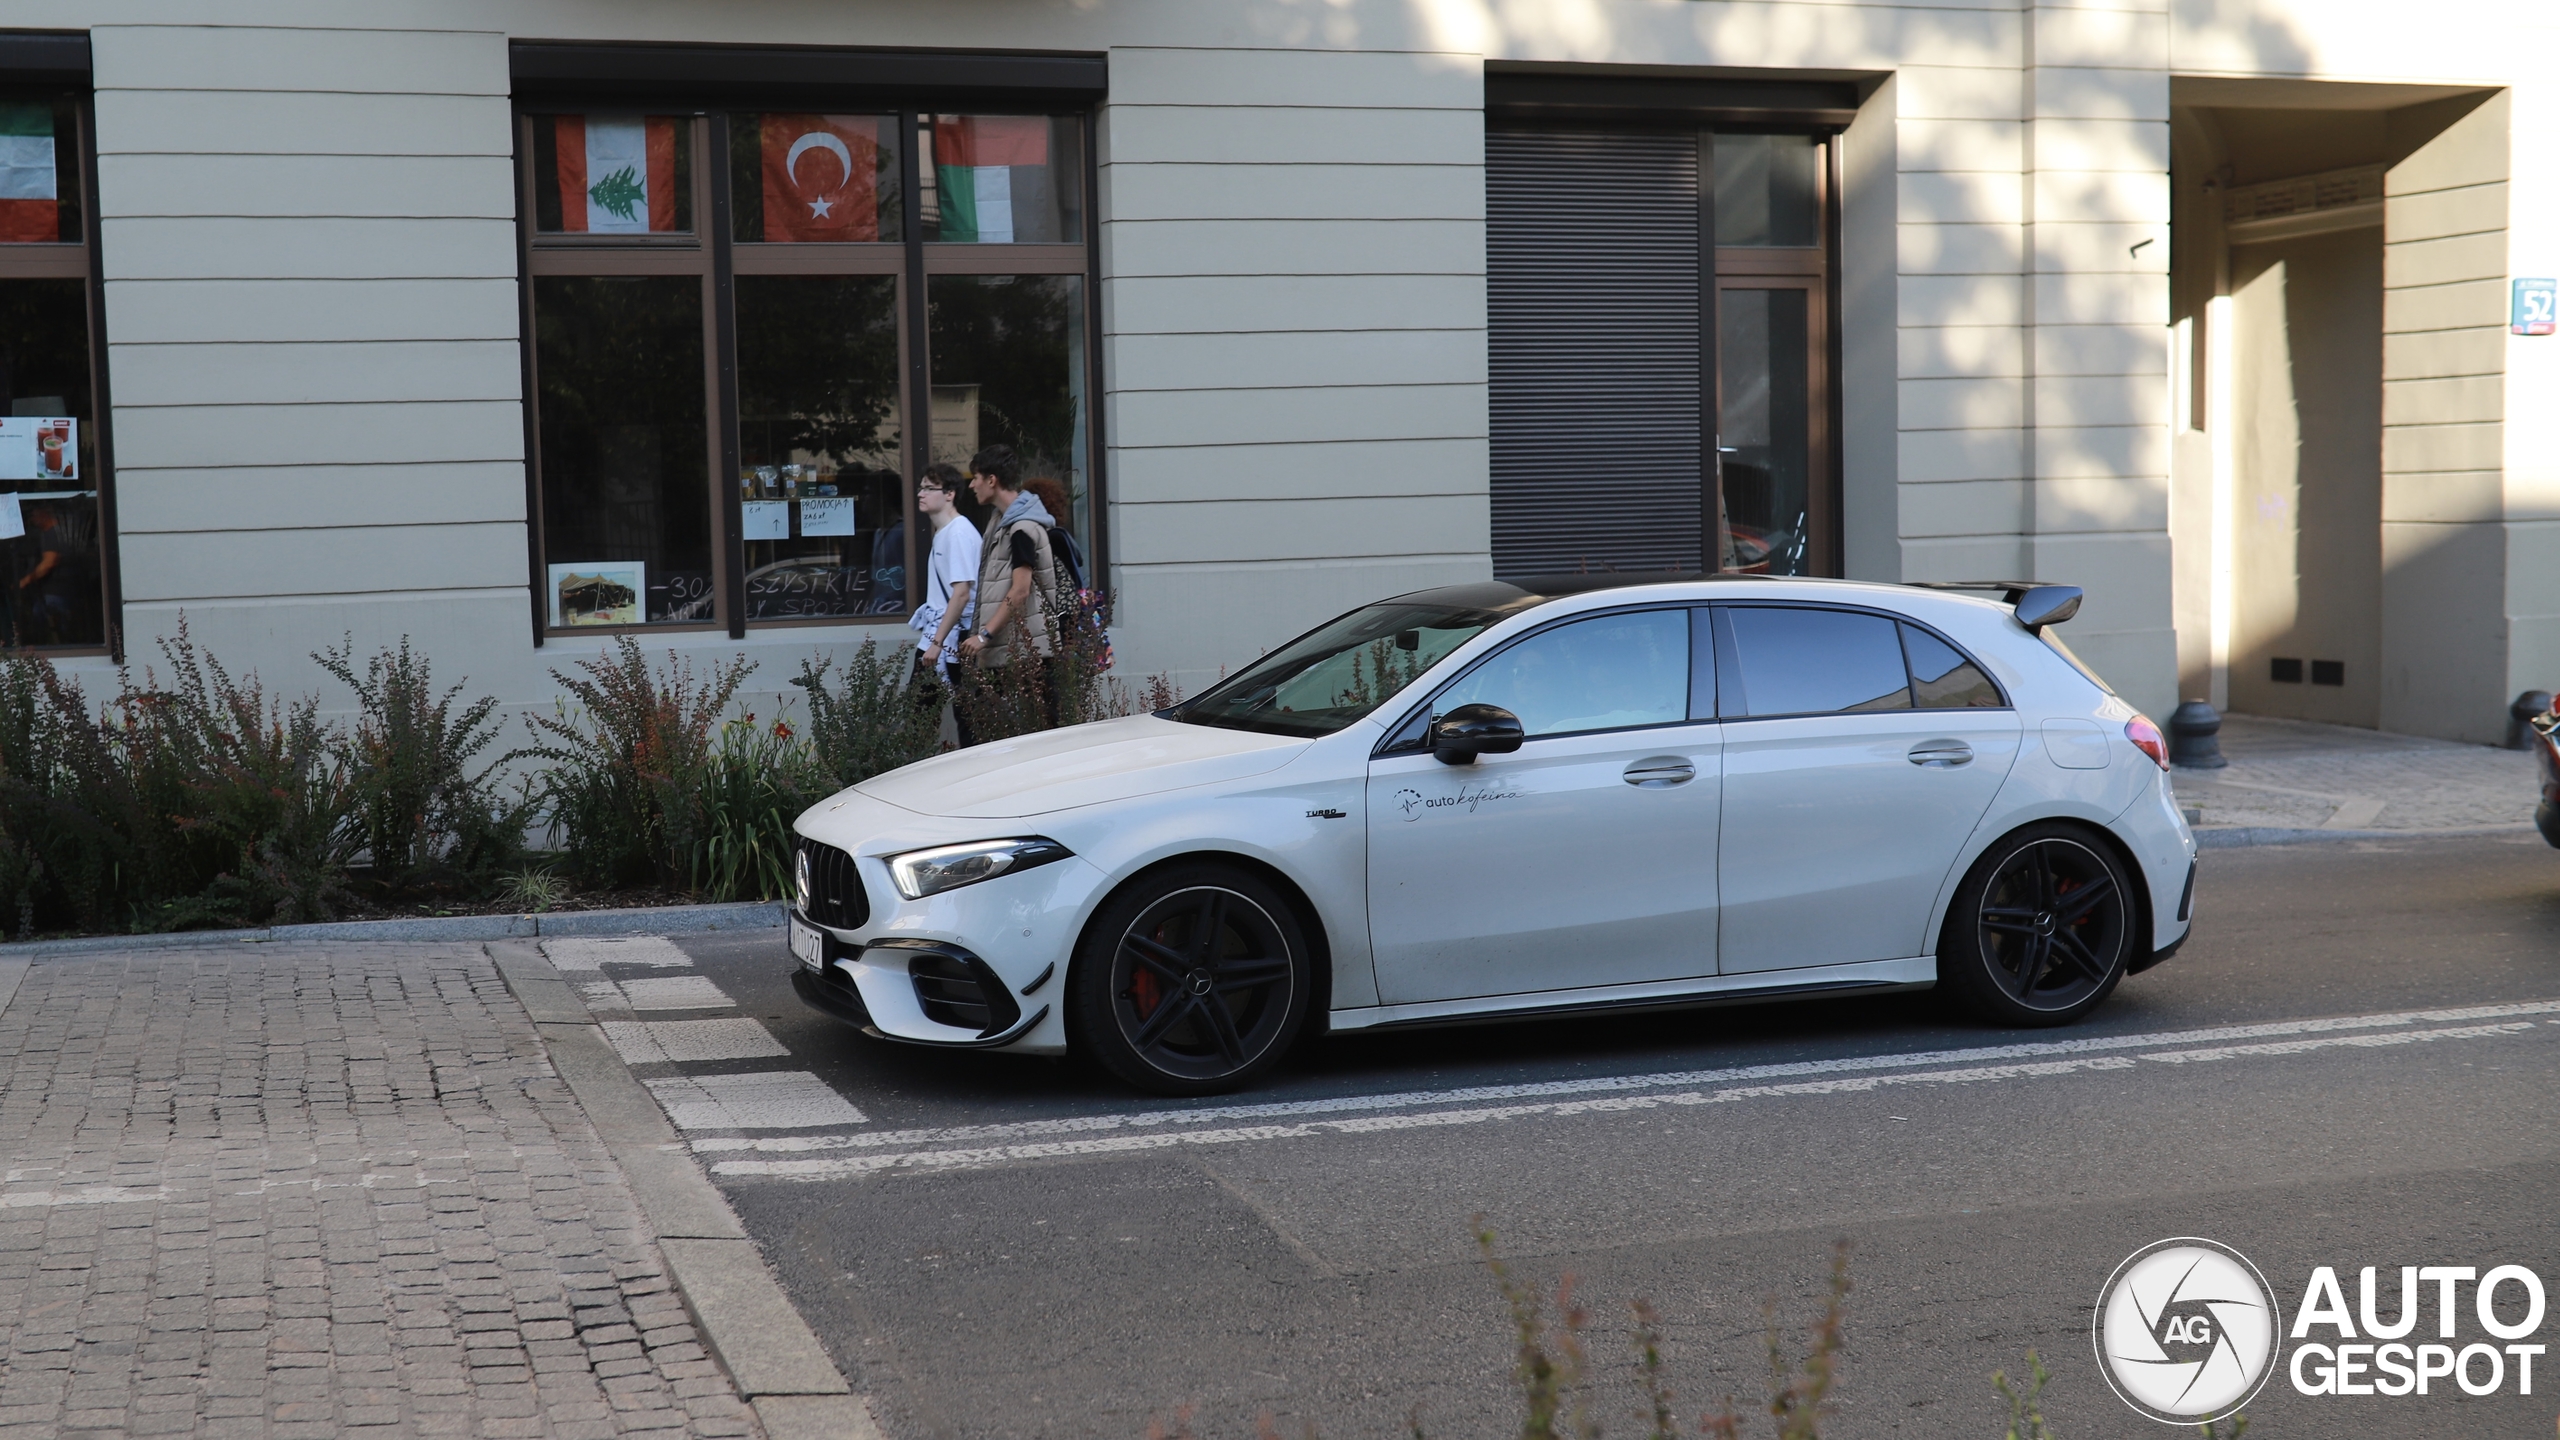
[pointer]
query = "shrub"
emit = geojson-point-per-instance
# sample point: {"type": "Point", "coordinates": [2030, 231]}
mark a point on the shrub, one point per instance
{"type": "Point", "coordinates": [426, 821]}
{"type": "Point", "coordinates": [872, 722]}
{"type": "Point", "coordinates": [760, 778]}
{"type": "Point", "coordinates": [627, 765]}
{"type": "Point", "coordinates": [201, 802]}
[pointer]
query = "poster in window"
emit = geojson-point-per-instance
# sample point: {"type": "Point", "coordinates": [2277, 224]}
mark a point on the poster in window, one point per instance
{"type": "Point", "coordinates": [767, 519]}
{"type": "Point", "coordinates": [39, 449]}
{"type": "Point", "coordinates": [599, 592]}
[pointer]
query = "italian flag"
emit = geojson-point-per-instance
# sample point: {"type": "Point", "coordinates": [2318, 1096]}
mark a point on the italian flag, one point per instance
{"type": "Point", "coordinates": [617, 173]}
{"type": "Point", "coordinates": [974, 160]}
{"type": "Point", "coordinates": [27, 196]}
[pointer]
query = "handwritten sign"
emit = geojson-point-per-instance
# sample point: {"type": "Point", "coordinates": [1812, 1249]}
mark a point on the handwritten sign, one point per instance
{"type": "Point", "coordinates": [826, 516]}
{"type": "Point", "coordinates": [768, 519]}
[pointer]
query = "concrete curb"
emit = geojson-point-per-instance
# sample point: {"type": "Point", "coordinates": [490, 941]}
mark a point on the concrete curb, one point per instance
{"type": "Point", "coordinates": [2237, 837]}
{"type": "Point", "coordinates": [736, 1302]}
{"type": "Point", "coordinates": [635, 920]}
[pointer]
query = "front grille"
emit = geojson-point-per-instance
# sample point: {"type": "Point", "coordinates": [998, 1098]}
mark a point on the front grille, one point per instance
{"type": "Point", "coordinates": [953, 991]}
{"type": "Point", "coordinates": [836, 898]}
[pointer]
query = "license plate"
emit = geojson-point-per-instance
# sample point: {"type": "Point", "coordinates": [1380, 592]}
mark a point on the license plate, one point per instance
{"type": "Point", "coordinates": [808, 944]}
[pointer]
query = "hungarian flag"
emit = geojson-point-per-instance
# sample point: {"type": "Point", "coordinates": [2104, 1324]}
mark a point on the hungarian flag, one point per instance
{"type": "Point", "coordinates": [986, 167]}
{"type": "Point", "coordinates": [28, 209]}
{"type": "Point", "coordinates": [617, 173]}
{"type": "Point", "coordinates": [820, 177]}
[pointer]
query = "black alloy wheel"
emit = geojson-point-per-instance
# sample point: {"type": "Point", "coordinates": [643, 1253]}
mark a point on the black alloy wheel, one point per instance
{"type": "Point", "coordinates": [2042, 929]}
{"type": "Point", "coordinates": [1191, 982]}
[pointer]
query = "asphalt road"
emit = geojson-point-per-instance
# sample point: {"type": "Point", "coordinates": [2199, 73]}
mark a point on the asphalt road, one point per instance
{"type": "Point", "coordinates": [1017, 1247]}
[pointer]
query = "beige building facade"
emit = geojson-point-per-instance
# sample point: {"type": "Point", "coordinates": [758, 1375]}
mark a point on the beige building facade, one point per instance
{"type": "Point", "coordinates": [2201, 305]}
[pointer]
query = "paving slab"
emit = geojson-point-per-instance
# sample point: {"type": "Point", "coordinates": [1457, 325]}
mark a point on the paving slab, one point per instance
{"type": "Point", "coordinates": [2292, 779]}
{"type": "Point", "coordinates": [318, 1189]}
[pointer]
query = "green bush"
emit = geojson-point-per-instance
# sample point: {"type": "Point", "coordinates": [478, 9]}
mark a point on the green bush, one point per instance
{"type": "Point", "coordinates": [759, 780]}
{"type": "Point", "coordinates": [427, 822]}
{"type": "Point", "coordinates": [626, 765]}
{"type": "Point", "coordinates": [871, 722]}
{"type": "Point", "coordinates": [199, 802]}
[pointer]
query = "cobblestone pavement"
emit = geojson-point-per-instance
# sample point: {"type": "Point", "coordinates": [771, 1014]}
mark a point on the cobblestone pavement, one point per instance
{"type": "Point", "coordinates": [319, 1191]}
{"type": "Point", "coordinates": [2292, 774]}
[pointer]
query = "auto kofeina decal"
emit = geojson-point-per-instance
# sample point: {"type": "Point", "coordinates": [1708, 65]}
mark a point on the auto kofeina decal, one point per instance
{"type": "Point", "coordinates": [1468, 799]}
{"type": "Point", "coordinates": [2187, 1330]}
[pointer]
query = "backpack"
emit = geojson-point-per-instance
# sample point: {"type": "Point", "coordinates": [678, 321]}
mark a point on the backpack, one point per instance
{"type": "Point", "coordinates": [1088, 611]}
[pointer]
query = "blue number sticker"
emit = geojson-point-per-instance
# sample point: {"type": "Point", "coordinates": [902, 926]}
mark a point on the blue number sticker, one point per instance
{"type": "Point", "coordinates": [2536, 308]}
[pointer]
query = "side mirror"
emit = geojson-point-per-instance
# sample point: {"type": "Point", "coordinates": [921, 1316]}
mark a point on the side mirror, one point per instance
{"type": "Point", "coordinates": [1458, 737]}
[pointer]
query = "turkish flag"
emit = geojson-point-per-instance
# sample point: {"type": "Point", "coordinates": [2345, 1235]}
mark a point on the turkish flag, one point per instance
{"type": "Point", "coordinates": [820, 177]}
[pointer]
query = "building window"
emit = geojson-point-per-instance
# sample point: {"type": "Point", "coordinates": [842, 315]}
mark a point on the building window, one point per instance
{"type": "Point", "coordinates": [55, 553]}
{"type": "Point", "coordinates": [741, 368]}
{"type": "Point", "coordinates": [1659, 299]}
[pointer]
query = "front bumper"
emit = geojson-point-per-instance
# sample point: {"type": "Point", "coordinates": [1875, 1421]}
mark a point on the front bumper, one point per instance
{"type": "Point", "coordinates": [977, 968]}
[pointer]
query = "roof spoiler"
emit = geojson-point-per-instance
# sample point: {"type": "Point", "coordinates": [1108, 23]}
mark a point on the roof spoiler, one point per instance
{"type": "Point", "coordinates": [2038, 603]}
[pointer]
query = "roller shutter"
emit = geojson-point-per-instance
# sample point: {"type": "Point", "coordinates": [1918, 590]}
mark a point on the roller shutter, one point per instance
{"type": "Point", "coordinates": [1592, 280]}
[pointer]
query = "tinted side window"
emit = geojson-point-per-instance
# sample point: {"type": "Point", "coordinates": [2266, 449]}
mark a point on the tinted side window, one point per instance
{"type": "Point", "coordinates": [1797, 662]}
{"type": "Point", "coordinates": [1605, 673]}
{"type": "Point", "coordinates": [1942, 679]}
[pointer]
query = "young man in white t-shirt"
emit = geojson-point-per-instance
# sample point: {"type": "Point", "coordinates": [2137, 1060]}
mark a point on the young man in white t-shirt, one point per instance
{"type": "Point", "coordinates": [950, 574]}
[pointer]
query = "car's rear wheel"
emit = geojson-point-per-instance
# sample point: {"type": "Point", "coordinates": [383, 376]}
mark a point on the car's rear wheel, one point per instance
{"type": "Point", "coordinates": [1191, 981]}
{"type": "Point", "coordinates": [2041, 930]}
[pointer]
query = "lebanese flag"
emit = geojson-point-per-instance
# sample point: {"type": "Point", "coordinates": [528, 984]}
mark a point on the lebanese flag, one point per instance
{"type": "Point", "coordinates": [617, 173]}
{"type": "Point", "coordinates": [820, 177]}
{"type": "Point", "coordinates": [973, 160]}
{"type": "Point", "coordinates": [28, 201]}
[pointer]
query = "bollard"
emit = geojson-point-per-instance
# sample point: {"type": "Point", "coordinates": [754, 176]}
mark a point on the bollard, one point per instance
{"type": "Point", "coordinates": [2192, 727]}
{"type": "Point", "coordinates": [2528, 705]}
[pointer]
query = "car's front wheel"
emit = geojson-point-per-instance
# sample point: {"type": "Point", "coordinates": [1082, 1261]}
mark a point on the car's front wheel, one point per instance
{"type": "Point", "coordinates": [1191, 981]}
{"type": "Point", "coordinates": [2041, 930]}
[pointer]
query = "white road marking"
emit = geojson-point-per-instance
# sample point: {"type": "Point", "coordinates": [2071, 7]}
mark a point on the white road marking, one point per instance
{"type": "Point", "coordinates": [932, 1150]}
{"type": "Point", "coordinates": [772, 1100]}
{"type": "Point", "coordinates": [675, 992]}
{"type": "Point", "coordinates": [623, 950]}
{"type": "Point", "coordinates": [2331, 1042]}
{"type": "Point", "coordinates": [87, 1195]}
{"type": "Point", "coordinates": [657, 1042]}
{"type": "Point", "coordinates": [1403, 1100]}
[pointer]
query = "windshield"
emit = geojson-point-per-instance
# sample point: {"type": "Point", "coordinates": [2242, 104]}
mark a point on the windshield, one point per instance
{"type": "Point", "coordinates": [1332, 676]}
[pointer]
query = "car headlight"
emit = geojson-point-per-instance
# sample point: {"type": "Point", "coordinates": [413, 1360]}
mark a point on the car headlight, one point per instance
{"type": "Point", "coordinates": [919, 873]}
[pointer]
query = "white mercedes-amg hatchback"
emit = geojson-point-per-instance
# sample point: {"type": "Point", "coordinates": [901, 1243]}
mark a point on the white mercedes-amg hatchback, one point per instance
{"type": "Point", "coordinates": [1596, 793]}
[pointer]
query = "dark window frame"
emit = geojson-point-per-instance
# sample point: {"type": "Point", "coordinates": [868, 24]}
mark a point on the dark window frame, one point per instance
{"type": "Point", "coordinates": [59, 62]}
{"type": "Point", "coordinates": [1546, 97]}
{"type": "Point", "coordinates": [708, 84]}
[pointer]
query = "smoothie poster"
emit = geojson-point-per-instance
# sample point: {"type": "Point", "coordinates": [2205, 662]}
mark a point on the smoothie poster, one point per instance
{"type": "Point", "coordinates": [39, 449]}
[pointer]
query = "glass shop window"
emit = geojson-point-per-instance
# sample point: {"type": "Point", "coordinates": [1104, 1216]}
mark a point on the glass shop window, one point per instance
{"type": "Point", "coordinates": [54, 555]}
{"type": "Point", "coordinates": [756, 463]}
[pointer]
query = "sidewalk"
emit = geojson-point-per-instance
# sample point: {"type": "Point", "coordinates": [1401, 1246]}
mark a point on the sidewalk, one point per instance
{"type": "Point", "coordinates": [2291, 779]}
{"type": "Point", "coordinates": [303, 1190]}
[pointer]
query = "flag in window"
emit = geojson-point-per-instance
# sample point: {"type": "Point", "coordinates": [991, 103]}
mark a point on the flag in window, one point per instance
{"type": "Point", "coordinates": [617, 173]}
{"type": "Point", "coordinates": [975, 159]}
{"type": "Point", "coordinates": [820, 177]}
{"type": "Point", "coordinates": [29, 205]}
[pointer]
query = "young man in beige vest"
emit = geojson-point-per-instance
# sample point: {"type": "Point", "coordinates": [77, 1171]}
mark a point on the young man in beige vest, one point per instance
{"type": "Point", "coordinates": [1017, 585]}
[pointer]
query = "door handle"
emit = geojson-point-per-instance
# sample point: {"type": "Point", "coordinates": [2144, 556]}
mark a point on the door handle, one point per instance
{"type": "Point", "coordinates": [1659, 772]}
{"type": "Point", "coordinates": [1941, 754]}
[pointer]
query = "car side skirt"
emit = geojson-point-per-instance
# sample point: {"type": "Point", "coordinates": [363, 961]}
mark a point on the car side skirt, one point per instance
{"type": "Point", "coordinates": [1870, 977]}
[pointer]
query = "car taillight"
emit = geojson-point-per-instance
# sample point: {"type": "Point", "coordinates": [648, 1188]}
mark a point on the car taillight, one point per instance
{"type": "Point", "coordinates": [2147, 739]}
